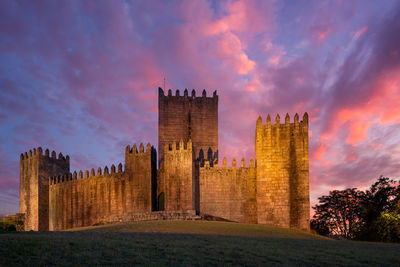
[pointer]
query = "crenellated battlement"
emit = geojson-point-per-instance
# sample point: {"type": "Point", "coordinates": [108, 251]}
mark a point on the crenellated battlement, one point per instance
{"type": "Point", "coordinates": [33, 153]}
{"type": "Point", "coordinates": [224, 165]}
{"type": "Point", "coordinates": [134, 150]}
{"type": "Point", "coordinates": [295, 122]}
{"type": "Point", "coordinates": [185, 94]}
{"type": "Point", "coordinates": [178, 147]}
{"type": "Point", "coordinates": [86, 174]}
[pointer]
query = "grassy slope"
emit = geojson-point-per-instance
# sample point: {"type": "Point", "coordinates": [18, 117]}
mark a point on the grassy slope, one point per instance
{"type": "Point", "coordinates": [202, 227]}
{"type": "Point", "coordinates": [198, 242]}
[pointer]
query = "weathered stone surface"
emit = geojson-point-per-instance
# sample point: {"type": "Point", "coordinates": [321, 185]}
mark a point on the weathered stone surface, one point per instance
{"type": "Point", "coordinates": [229, 193]}
{"type": "Point", "coordinates": [189, 215]}
{"type": "Point", "coordinates": [272, 190]}
{"type": "Point", "coordinates": [282, 173]}
{"type": "Point", "coordinates": [88, 201]}
{"type": "Point", "coordinates": [176, 172]}
{"type": "Point", "coordinates": [35, 170]}
{"type": "Point", "coordinates": [188, 118]}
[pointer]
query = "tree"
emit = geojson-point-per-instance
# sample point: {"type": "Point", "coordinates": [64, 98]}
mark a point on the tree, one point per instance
{"type": "Point", "coordinates": [379, 198]}
{"type": "Point", "coordinates": [372, 215]}
{"type": "Point", "coordinates": [339, 212]}
{"type": "Point", "coordinates": [388, 225]}
{"type": "Point", "coordinates": [378, 213]}
{"type": "Point", "coordinates": [319, 227]}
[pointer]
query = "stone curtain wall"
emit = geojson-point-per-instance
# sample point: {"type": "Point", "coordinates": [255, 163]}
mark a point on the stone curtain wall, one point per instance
{"type": "Point", "coordinates": [176, 177]}
{"type": "Point", "coordinates": [85, 199]}
{"type": "Point", "coordinates": [188, 118]}
{"type": "Point", "coordinates": [229, 192]}
{"type": "Point", "coordinates": [35, 170]}
{"type": "Point", "coordinates": [282, 172]}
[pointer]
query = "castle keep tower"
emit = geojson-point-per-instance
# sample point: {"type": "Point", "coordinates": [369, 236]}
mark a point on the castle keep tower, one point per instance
{"type": "Point", "coordinates": [35, 170]}
{"type": "Point", "coordinates": [282, 172]}
{"type": "Point", "coordinates": [188, 118]}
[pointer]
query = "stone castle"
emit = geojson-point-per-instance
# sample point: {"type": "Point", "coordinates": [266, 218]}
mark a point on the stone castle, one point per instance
{"type": "Point", "coordinates": [190, 180]}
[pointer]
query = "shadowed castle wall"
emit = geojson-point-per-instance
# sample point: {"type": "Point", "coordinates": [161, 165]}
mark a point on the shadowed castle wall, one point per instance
{"type": "Point", "coordinates": [35, 170]}
{"type": "Point", "coordinates": [282, 172]}
{"type": "Point", "coordinates": [85, 199]}
{"type": "Point", "coordinates": [188, 118]}
{"type": "Point", "coordinates": [177, 179]}
{"type": "Point", "coordinates": [141, 167]}
{"type": "Point", "coordinates": [229, 192]}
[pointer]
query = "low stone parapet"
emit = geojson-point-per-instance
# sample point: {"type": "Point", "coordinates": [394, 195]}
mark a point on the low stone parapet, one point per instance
{"type": "Point", "coordinates": [153, 216]}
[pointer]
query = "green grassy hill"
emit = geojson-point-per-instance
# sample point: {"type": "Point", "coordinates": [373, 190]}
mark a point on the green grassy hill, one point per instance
{"type": "Point", "coordinates": [202, 227]}
{"type": "Point", "coordinates": [189, 243]}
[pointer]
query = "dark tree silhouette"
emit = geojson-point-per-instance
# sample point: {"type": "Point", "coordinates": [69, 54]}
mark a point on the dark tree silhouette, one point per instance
{"type": "Point", "coordinates": [380, 198]}
{"type": "Point", "coordinates": [372, 215]}
{"type": "Point", "coordinates": [339, 212]}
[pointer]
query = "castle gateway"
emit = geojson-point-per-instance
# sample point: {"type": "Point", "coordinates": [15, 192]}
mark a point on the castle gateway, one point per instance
{"type": "Point", "coordinates": [190, 180]}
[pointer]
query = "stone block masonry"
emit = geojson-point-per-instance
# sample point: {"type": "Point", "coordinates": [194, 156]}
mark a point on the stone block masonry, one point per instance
{"type": "Point", "coordinates": [35, 170]}
{"type": "Point", "coordinates": [141, 168]}
{"type": "Point", "coordinates": [84, 199]}
{"type": "Point", "coordinates": [229, 192]}
{"type": "Point", "coordinates": [188, 118]}
{"type": "Point", "coordinates": [87, 198]}
{"type": "Point", "coordinates": [177, 182]}
{"type": "Point", "coordinates": [282, 172]}
{"type": "Point", "coordinates": [191, 182]}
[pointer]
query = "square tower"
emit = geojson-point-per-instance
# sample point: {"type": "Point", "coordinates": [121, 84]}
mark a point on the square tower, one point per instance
{"type": "Point", "coordinates": [188, 118]}
{"type": "Point", "coordinates": [35, 171]}
{"type": "Point", "coordinates": [283, 173]}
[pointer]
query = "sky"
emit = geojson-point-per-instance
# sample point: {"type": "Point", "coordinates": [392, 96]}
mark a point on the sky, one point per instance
{"type": "Point", "coordinates": [81, 78]}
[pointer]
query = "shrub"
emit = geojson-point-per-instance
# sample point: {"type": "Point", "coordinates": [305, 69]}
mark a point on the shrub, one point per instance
{"type": "Point", "coordinates": [388, 225]}
{"type": "Point", "coordinates": [7, 227]}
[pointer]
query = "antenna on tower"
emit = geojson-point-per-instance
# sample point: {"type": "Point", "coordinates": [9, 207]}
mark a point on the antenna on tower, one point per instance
{"type": "Point", "coordinates": [164, 84]}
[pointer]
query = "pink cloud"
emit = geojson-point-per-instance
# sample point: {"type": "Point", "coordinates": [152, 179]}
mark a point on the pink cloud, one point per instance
{"type": "Point", "coordinates": [380, 107]}
{"type": "Point", "coordinates": [360, 32]}
{"type": "Point", "coordinates": [318, 152]}
{"type": "Point", "coordinates": [357, 132]}
{"type": "Point", "coordinates": [230, 50]}
{"type": "Point", "coordinates": [275, 53]}
{"type": "Point", "coordinates": [321, 33]}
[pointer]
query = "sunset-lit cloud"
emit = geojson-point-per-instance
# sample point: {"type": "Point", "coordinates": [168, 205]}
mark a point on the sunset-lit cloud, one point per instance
{"type": "Point", "coordinates": [360, 32]}
{"type": "Point", "coordinates": [81, 78]}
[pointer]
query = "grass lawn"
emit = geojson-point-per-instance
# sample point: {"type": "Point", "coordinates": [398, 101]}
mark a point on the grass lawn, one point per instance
{"type": "Point", "coordinates": [189, 243]}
